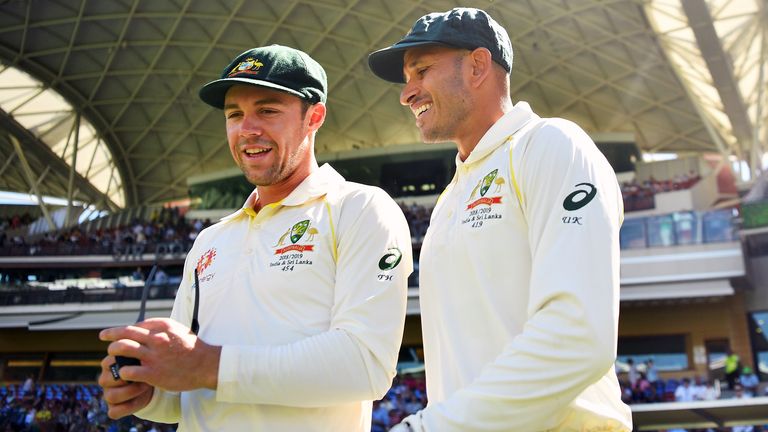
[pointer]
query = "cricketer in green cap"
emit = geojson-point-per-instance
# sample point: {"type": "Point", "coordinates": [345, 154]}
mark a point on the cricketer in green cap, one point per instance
{"type": "Point", "coordinates": [299, 296]}
{"type": "Point", "coordinates": [258, 91]}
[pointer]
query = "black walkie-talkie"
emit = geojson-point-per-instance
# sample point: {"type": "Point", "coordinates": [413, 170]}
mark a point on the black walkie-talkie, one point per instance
{"type": "Point", "coordinates": [121, 361]}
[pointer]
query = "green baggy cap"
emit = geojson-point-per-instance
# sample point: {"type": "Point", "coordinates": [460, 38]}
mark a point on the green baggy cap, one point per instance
{"type": "Point", "coordinates": [275, 66]}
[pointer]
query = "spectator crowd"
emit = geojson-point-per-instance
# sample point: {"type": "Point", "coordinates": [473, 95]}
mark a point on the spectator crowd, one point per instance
{"type": "Point", "coordinates": [166, 231]}
{"type": "Point", "coordinates": [79, 407]}
{"type": "Point", "coordinates": [638, 195]}
{"type": "Point", "coordinates": [418, 219]}
{"type": "Point", "coordinates": [63, 408]}
{"type": "Point", "coordinates": [642, 384]}
{"type": "Point", "coordinates": [12, 222]}
{"type": "Point", "coordinates": [407, 395]}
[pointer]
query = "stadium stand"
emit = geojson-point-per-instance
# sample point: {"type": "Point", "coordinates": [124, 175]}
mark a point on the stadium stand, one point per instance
{"type": "Point", "coordinates": [164, 231]}
{"type": "Point", "coordinates": [62, 407]}
{"type": "Point", "coordinates": [639, 196]}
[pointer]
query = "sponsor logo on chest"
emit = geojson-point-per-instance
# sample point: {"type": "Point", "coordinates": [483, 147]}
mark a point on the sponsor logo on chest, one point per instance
{"type": "Point", "coordinates": [203, 263]}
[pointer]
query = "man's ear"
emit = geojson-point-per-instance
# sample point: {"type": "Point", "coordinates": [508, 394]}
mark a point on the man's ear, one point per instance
{"type": "Point", "coordinates": [316, 114]}
{"type": "Point", "coordinates": [481, 64]}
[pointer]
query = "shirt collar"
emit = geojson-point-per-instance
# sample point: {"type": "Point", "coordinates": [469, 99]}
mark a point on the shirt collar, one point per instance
{"type": "Point", "coordinates": [314, 186]}
{"type": "Point", "coordinates": [508, 124]}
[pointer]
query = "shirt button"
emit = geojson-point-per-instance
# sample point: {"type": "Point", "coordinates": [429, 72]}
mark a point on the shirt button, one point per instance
{"type": "Point", "coordinates": [249, 251]}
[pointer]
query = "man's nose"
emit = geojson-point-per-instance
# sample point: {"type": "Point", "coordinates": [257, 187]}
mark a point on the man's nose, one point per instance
{"type": "Point", "coordinates": [408, 93]}
{"type": "Point", "coordinates": [251, 126]}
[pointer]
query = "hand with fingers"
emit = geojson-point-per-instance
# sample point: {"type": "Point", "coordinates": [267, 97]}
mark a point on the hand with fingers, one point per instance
{"type": "Point", "coordinates": [123, 398]}
{"type": "Point", "coordinates": [172, 357]}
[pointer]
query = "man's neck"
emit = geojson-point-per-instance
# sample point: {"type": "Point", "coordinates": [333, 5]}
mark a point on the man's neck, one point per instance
{"type": "Point", "coordinates": [270, 194]}
{"type": "Point", "coordinates": [476, 130]}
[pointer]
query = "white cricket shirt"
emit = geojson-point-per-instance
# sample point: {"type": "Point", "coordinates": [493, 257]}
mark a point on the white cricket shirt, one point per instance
{"type": "Point", "coordinates": [307, 299]}
{"type": "Point", "coordinates": [519, 285]}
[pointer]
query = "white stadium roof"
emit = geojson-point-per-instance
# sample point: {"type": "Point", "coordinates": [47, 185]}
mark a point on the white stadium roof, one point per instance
{"type": "Point", "coordinates": [111, 87]}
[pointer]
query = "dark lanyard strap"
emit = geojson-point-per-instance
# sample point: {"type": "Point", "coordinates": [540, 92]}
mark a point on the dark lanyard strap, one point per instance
{"type": "Point", "coordinates": [195, 324]}
{"type": "Point", "coordinates": [144, 292]}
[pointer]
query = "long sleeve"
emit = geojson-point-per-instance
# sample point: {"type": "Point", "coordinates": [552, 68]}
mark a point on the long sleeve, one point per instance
{"type": "Point", "coordinates": [568, 341]}
{"type": "Point", "coordinates": [355, 358]}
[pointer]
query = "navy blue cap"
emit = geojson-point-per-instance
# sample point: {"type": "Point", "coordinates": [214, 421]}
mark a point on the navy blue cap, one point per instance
{"type": "Point", "coordinates": [274, 66]}
{"type": "Point", "coordinates": [466, 28]}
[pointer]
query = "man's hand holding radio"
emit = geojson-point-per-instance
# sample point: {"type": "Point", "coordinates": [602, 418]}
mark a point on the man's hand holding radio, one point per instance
{"type": "Point", "coordinates": [172, 358]}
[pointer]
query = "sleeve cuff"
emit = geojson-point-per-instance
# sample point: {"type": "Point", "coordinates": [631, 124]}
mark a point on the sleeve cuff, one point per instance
{"type": "Point", "coordinates": [164, 407]}
{"type": "Point", "coordinates": [226, 389]}
{"type": "Point", "coordinates": [240, 369]}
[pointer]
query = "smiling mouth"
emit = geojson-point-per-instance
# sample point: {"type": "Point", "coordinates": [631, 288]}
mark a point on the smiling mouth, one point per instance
{"type": "Point", "coordinates": [252, 152]}
{"type": "Point", "coordinates": [422, 109]}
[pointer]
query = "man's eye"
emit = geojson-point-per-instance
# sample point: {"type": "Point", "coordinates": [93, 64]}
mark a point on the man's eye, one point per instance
{"type": "Point", "coordinates": [233, 114]}
{"type": "Point", "coordinates": [418, 73]}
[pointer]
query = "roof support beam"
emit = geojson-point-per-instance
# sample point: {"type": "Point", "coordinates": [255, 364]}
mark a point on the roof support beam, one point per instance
{"type": "Point", "coordinates": [757, 145]}
{"type": "Point", "coordinates": [7, 163]}
{"type": "Point", "coordinates": [715, 134]}
{"type": "Point", "coordinates": [32, 146]}
{"type": "Point", "coordinates": [72, 170]}
{"type": "Point", "coordinates": [42, 176]}
{"type": "Point", "coordinates": [720, 69]}
{"type": "Point", "coordinates": [94, 115]}
{"type": "Point", "coordinates": [31, 180]}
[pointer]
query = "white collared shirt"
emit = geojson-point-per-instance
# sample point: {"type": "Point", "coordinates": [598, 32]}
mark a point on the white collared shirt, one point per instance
{"type": "Point", "coordinates": [307, 299]}
{"type": "Point", "coordinates": [519, 285]}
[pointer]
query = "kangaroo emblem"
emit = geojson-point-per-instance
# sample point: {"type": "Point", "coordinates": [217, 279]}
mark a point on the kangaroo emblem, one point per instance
{"type": "Point", "coordinates": [474, 191]}
{"type": "Point", "coordinates": [282, 238]}
{"type": "Point", "coordinates": [312, 231]}
{"type": "Point", "coordinates": [499, 183]}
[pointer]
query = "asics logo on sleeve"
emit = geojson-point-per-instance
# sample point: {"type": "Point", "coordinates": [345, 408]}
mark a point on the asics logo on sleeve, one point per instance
{"type": "Point", "coordinates": [391, 259]}
{"type": "Point", "coordinates": [580, 197]}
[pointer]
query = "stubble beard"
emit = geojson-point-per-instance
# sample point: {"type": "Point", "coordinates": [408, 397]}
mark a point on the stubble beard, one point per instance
{"type": "Point", "coordinates": [261, 179]}
{"type": "Point", "coordinates": [455, 110]}
{"type": "Point", "coordinates": [447, 128]}
{"type": "Point", "coordinates": [276, 172]}
{"type": "Point", "coordinates": [258, 177]}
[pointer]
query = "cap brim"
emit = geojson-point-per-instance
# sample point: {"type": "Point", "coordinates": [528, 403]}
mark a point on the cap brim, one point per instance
{"type": "Point", "coordinates": [213, 93]}
{"type": "Point", "coordinates": [387, 63]}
